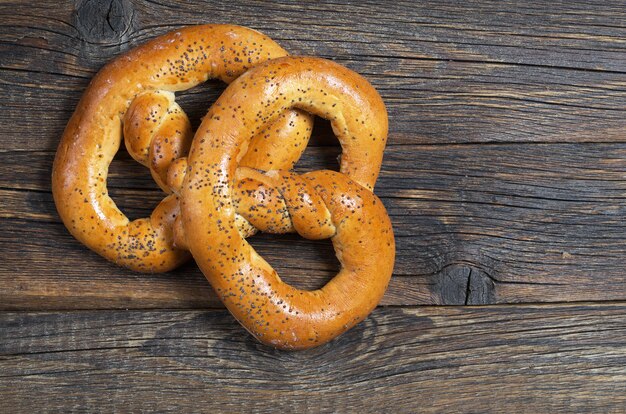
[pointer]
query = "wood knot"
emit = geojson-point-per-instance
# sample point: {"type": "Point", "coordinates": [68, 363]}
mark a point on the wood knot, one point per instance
{"type": "Point", "coordinates": [103, 21]}
{"type": "Point", "coordinates": [463, 285]}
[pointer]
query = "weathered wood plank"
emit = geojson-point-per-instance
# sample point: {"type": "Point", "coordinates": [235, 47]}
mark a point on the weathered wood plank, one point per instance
{"type": "Point", "coordinates": [449, 73]}
{"type": "Point", "coordinates": [428, 102]}
{"type": "Point", "coordinates": [472, 359]}
{"type": "Point", "coordinates": [577, 34]}
{"type": "Point", "coordinates": [474, 224]}
{"type": "Point", "coordinates": [50, 270]}
{"type": "Point", "coordinates": [467, 232]}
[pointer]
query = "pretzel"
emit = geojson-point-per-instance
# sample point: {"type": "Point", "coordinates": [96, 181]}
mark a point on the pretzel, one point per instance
{"type": "Point", "coordinates": [235, 180]}
{"type": "Point", "coordinates": [138, 89]}
{"type": "Point", "coordinates": [317, 205]}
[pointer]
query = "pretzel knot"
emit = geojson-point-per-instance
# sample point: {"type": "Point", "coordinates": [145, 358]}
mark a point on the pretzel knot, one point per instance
{"type": "Point", "coordinates": [235, 179]}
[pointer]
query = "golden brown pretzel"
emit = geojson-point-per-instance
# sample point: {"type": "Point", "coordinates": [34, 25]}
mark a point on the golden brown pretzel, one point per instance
{"type": "Point", "coordinates": [254, 125]}
{"type": "Point", "coordinates": [319, 204]}
{"type": "Point", "coordinates": [156, 131]}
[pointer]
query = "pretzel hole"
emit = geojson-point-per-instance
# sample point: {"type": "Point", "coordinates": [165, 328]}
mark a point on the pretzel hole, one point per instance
{"type": "Point", "coordinates": [323, 135]}
{"type": "Point", "coordinates": [316, 266]}
{"type": "Point", "coordinates": [131, 186]}
{"type": "Point", "coordinates": [197, 100]}
{"type": "Point", "coordinates": [323, 150]}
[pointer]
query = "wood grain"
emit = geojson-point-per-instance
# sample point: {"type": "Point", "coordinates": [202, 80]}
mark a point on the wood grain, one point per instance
{"type": "Point", "coordinates": [482, 213]}
{"type": "Point", "coordinates": [505, 178]}
{"type": "Point", "coordinates": [525, 359]}
{"type": "Point", "coordinates": [474, 224]}
{"type": "Point", "coordinates": [449, 72]}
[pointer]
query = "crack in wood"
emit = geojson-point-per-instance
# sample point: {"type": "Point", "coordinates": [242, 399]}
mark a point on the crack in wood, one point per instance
{"type": "Point", "coordinates": [468, 289]}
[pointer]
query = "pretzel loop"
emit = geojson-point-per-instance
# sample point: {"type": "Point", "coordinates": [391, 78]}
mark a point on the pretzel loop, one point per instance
{"type": "Point", "coordinates": [137, 89]}
{"type": "Point", "coordinates": [158, 134]}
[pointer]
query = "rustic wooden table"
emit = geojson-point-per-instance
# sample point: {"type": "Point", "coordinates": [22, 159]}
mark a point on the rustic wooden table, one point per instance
{"type": "Point", "coordinates": [505, 177]}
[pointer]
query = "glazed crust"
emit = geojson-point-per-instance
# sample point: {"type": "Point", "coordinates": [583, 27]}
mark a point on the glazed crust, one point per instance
{"type": "Point", "coordinates": [319, 204]}
{"type": "Point", "coordinates": [157, 131]}
{"type": "Point", "coordinates": [218, 196]}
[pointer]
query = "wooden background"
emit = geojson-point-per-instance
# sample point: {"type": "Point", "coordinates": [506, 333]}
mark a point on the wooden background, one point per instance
{"type": "Point", "coordinates": [505, 178]}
